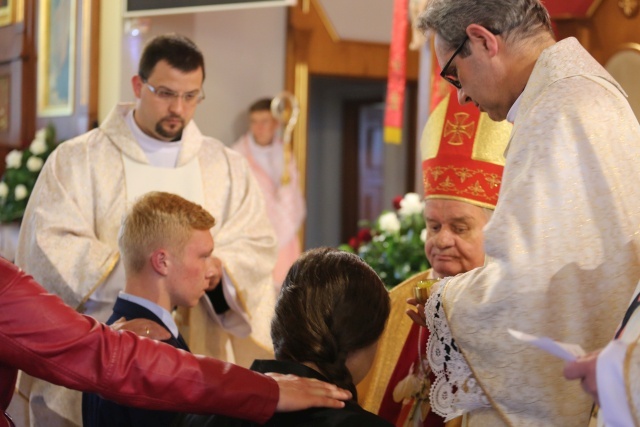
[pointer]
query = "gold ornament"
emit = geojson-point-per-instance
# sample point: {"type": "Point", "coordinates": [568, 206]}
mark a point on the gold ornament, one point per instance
{"type": "Point", "coordinates": [629, 7]}
{"type": "Point", "coordinates": [284, 107]}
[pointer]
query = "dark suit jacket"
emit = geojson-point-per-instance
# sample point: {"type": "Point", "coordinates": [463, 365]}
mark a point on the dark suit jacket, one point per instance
{"type": "Point", "coordinates": [352, 415]}
{"type": "Point", "coordinates": [98, 412]}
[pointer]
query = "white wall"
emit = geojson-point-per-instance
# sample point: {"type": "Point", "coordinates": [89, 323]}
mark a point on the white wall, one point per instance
{"type": "Point", "coordinates": [244, 54]}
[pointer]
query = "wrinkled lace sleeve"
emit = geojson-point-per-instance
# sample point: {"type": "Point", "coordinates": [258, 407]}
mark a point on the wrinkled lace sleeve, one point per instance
{"type": "Point", "coordinates": [455, 390]}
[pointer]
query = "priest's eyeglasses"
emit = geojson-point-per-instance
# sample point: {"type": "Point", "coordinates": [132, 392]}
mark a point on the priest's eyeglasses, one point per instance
{"type": "Point", "coordinates": [168, 95]}
{"type": "Point", "coordinates": [452, 77]}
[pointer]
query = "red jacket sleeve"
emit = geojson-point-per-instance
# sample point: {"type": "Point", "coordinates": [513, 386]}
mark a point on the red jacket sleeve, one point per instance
{"type": "Point", "coordinates": [45, 338]}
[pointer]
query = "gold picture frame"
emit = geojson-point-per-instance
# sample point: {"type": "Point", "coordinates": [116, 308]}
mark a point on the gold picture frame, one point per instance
{"type": "Point", "coordinates": [56, 57]}
{"type": "Point", "coordinates": [6, 12]}
{"type": "Point", "coordinates": [140, 8]}
{"type": "Point", "coordinates": [5, 102]}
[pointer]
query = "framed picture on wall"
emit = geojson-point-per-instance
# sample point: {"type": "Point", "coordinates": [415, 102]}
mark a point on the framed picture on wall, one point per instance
{"type": "Point", "coordinates": [6, 12]}
{"type": "Point", "coordinates": [11, 104]}
{"type": "Point", "coordinates": [5, 106]}
{"type": "Point", "coordinates": [134, 8]}
{"type": "Point", "coordinates": [56, 57]}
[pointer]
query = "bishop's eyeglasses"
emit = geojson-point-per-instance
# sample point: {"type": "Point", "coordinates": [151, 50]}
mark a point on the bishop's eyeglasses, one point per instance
{"type": "Point", "coordinates": [452, 77]}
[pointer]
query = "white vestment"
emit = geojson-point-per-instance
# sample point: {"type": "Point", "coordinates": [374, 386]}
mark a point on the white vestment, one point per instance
{"type": "Point", "coordinates": [68, 240]}
{"type": "Point", "coordinates": [563, 251]}
{"type": "Point", "coordinates": [285, 204]}
{"type": "Point", "coordinates": [618, 372]}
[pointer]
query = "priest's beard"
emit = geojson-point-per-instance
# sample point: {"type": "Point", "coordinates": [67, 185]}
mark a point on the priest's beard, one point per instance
{"type": "Point", "coordinates": [172, 133]}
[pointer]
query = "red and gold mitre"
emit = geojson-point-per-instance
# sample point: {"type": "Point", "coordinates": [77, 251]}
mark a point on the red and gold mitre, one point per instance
{"type": "Point", "coordinates": [463, 153]}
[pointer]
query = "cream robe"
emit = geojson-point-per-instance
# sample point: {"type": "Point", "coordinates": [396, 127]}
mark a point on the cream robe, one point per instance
{"type": "Point", "coordinates": [564, 243]}
{"type": "Point", "coordinates": [68, 240]}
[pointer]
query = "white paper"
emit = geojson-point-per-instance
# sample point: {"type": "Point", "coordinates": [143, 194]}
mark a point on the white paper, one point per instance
{"type": "Point", "coordinates": [568, 352]}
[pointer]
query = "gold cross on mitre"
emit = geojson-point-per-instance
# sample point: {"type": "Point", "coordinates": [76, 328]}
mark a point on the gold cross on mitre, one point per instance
{"type": "Point", "coordinates": [459, 128]}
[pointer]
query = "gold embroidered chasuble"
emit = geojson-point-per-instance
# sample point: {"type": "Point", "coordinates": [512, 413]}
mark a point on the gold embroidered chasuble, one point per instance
{"type": "Point", "coordinates": [401, 399]}
{"type": "Point", "coordinates": [373, 388]}
{"type": "Point", "coordinates": [563, 243]}
{"type": "Point", "coordinates": [69, 233]}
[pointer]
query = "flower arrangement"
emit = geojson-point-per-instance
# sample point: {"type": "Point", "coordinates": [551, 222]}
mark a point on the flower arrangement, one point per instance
{"type": "Point", "coordinates": [22, 170]}
{"type": "Point", "coordinates": [394, 244]}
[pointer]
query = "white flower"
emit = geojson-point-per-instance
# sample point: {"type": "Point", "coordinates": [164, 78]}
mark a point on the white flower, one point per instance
{"type": "Point", "coordinates": [20, 192]}
{"type": "Point", "coordinates": [39, 143]}
{"type": "Point", "coordinates": [423, 235]}
{"type": "Point", "coordinates": [410, 204]}
{"type": "Point", "coordinates": [4, 190]}
{"type": "Point", "coordinates": [14, 159]}
{"type": "Point", "coordinates": [389, 222]}
{"type": "Point", "coordinates": [34, 164]}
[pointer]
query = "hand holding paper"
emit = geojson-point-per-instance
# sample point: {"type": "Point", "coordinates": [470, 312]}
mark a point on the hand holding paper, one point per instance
{"type": "Point", "coordinates": [568, 352]}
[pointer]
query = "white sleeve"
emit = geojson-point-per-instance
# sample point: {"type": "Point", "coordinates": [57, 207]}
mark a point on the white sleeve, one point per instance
{"type": "Point", "coordinates": [235, 320]}
{"type": "Point", "coordinates": [614, 404]}
{"type": "Point", "coordinates": [455, 391]}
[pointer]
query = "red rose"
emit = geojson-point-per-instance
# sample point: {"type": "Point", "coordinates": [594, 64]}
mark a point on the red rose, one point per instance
{"type": "Point", "coordinates": [364, 235]}
{"type": "Point", "coordinates": [396, 202]}
{"type": "Point", "coordinates": [354, 243]}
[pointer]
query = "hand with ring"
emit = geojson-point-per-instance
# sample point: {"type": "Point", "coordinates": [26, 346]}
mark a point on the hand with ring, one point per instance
{"type": "Point", "coordinates": [142, 327]}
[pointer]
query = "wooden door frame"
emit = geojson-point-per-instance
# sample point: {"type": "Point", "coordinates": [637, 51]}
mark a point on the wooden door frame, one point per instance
{"type": "Point", "coordinates": [350, 164]}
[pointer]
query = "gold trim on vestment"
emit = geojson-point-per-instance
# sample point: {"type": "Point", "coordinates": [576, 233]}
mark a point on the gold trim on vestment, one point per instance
{"type": "Point", "coordinates": [462, 199]}
{"type": "Point", "coordinates": [380, 374]}
{"type": "Point", "coordinates": [494, 406]}
{"type": "Point", "coordinates": [100, 281]}
{"type": "Point", "coordinates": [627, 382]}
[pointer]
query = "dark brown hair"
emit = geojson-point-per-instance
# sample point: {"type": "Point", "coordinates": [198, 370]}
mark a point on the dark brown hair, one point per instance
{"type": "Point", "coordinates": [331, 303]}
{"type": "Point", "coordinates": [263, 104]}
{"type": "Point", "coordinates": [179, 51]}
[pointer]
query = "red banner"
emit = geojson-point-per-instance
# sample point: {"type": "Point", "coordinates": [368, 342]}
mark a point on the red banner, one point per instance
{"type": "Point", "coordinates": [397, 73]}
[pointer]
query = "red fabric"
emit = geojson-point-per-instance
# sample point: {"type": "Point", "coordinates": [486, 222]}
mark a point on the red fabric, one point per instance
{"type": "Point", "coordinates": [397, 69]}
{"type": "Point", "coordinates": [45, 338]}
{"type": "Point", "coordinates": [391, 410]}
{"type": "Point", "coordinates": [453, 172]}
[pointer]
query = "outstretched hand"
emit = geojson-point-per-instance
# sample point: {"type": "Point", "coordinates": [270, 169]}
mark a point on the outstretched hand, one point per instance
{"type": "Point", "coordinates": [417, 316]}
{"type": "Point", "coordinates": [217, 276]}
{"type": "Point", "coordinates": [301, 393]}
{"type": "Point", "coordinates": [142, 327]}
{"type": "Point", "coordinates": [584, 369]}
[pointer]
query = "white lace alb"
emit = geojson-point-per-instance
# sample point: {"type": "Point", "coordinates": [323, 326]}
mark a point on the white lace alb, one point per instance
{"type": "Point", "coordinates": [455, 390]}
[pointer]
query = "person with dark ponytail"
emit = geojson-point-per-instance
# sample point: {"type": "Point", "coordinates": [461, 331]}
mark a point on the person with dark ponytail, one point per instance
{"type": "Point", "coordinates": [329, 316]}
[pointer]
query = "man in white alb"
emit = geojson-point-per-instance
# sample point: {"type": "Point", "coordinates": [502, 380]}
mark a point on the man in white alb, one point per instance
{"type": "Point", "coordinates": [69, 233]}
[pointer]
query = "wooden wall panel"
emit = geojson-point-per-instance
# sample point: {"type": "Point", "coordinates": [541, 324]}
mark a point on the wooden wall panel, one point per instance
{"type": "Point", "coordinates": [18, 61]}
{"type": "Point", "coordinates": [604, 32]}
{"type": "Point", "coordinates": [86, 66]}
{"type": "Point", "coordinates": [328, 55]}
{"type": "Point", "coordinates": [17, 64]}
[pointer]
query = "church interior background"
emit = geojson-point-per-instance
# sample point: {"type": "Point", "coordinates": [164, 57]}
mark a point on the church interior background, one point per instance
{"type": "Point", "coordinates": [67, 62]}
